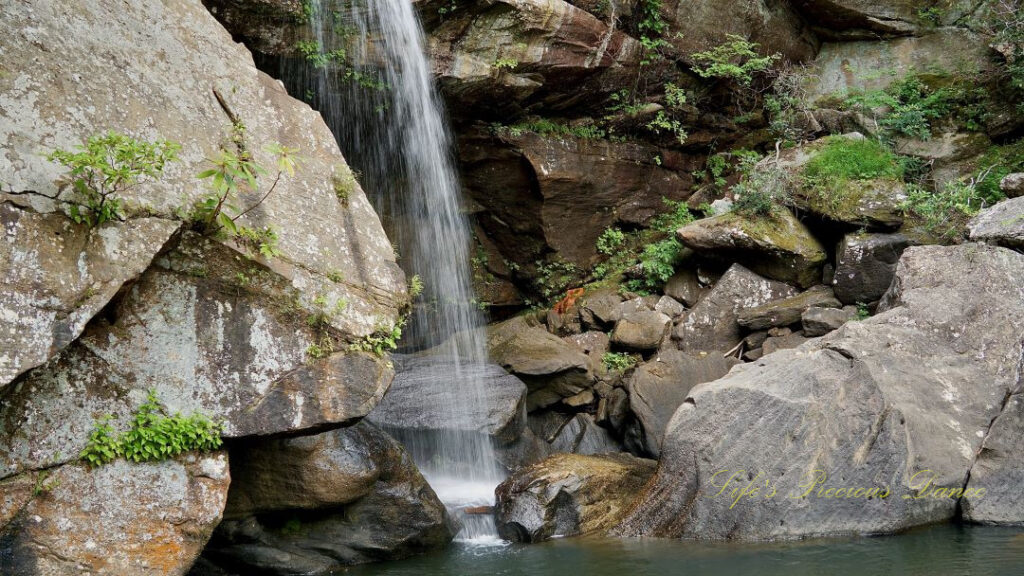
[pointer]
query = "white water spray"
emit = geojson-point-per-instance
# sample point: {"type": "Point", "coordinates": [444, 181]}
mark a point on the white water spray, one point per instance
{"type": "Point", "coordinates": [369, 77]}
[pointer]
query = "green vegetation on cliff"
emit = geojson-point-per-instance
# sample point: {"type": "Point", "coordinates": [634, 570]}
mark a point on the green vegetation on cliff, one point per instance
{"type": "Point", "coordinates": [104, 168]}
{"type": "Point", "coordinates": [154, 434]}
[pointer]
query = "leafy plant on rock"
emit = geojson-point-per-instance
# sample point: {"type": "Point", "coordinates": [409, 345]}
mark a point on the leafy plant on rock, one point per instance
{"type": "Point", "coordinates": [233, 173]}
{"type": "Point", "coordinates": [618, 361]}
{"type": "Point", "coordinates": [610, 240]}
{"type": "Point", "coordinates": [154, 435]}
{"type": "Point", "coordinates": [104, 168]}
{"type": "Point", "coordinates": [735, 60]}
{"type": "Point", "coordinates": [945, 212]}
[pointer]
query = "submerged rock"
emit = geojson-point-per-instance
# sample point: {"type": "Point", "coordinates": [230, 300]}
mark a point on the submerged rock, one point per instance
{"type": "Point", "coordinates": [893, 411]}
{"type": "Point", "coordinates": [711, 324]}
{"type": "Point", "coordinates": [777, 246]}
{"type": "Point", "coordinates": [422, 398]}
{"type": "Point", "coordinates": [313, 505]}
{"type": "Point", "coordinates": [120, 518]}
{"type": "Point", "coordinates": [568, 495]}
{"type": "Point", "coordinates": [1001, 224]}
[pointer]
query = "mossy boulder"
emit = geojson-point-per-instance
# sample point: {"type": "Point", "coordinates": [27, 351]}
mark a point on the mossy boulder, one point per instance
{"type": "Point", "coordinates": [875, 203]}
{"type": "Point", "coordinates": [778, 245]}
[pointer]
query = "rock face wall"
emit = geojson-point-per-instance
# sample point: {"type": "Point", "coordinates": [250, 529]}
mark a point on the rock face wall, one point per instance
{"type": "Point", "coordinates": [91, 318]}
{"type": "Point", "coordinates": [893, 411]}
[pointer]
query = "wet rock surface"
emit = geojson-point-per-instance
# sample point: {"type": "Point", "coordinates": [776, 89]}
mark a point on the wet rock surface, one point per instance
{"type": "Point", "coordinates": [374, 505]}
{"type": "Point", "coordinates": [424, 389]}
{"type": "Point", "coordinates": [568, 495]}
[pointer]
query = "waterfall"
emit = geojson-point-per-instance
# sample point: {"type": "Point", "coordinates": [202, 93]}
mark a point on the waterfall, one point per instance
{"type": "Point", "coordinates": [367, 73]}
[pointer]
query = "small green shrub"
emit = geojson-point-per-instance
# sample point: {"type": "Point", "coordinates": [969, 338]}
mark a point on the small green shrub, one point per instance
{"type": "Point", "coordinates": [652, 28]}
{"type": "Point", "coordinates": [618, 361]}
{"type": "Point", "coordinates": [319, 350]}
{"type": "Point", "coordinates": [546, 127]}
{"type": "Point", "coordinates": [658, 264]}
{"type": "Point", "coordinates": [505, 64]}
{"type": "Point", "coordinates": [842, 160]}
{"type": "Point", "coordinates": [382, 341]}
{"type": "Point", "coordinates": [415, 286]}
{"type": "Point", "coordinates": [610, 240]}
{"type": "Point", "coordinates": [863, 312]}
{"type": "Point", "coordinates": [946, 211]}
{"type": "Point", "coordinates": [345, 181]}
{"type": "Point", "coordinates": [910, 106]}
{"type": "Point", "coordinates": [761, 190]}
{"type": "Point", "coordinates": [154, 435]}
{"type": "Point", "coordinates": [736, 60]}
{"type": "Point", "coordinates": [107, 166]}
{"type": "Point", "coordinates": [232, 174]}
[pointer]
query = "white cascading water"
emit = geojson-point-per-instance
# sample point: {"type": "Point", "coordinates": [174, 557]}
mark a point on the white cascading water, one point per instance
{"type": "Point", "coordinates": [370, 79]}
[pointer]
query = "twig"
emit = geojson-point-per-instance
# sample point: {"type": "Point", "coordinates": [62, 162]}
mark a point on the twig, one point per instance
{"type": "Point", "coordinates": [247, 210]}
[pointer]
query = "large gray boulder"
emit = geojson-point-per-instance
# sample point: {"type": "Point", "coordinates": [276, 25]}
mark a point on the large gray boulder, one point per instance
{"type": "Point", "coordinates": [313, 505]}
{"type": "Point", "coordinates": [200, 63]}
{"type": "Point", "coordinates": [150, 519]}
{"type": "Point", "coordinates": [57, 277]}
{"type": "Point", "coordinates": [1001, 224]}
{"type": "Point", "coordinates": [994, 495]}
{"type": "Point", "coordinates": [712, 323]}
{"type": "Point", "coordinates": [207, 325]}
{"type": "Point", "coordinates": [426, 389]}
{"type": "Point", "coordinates": [865, 265]}
{"type": "Point", "coordinates": [893, 411]}
{"type": "Point", "coordinates": [203, 343]}
{"type": "Point", "coordinates": [568, 495]}
{"type": "Point", "coordinates": [657, 388]}
{"type": "Point", "coordinates": [551, 367]}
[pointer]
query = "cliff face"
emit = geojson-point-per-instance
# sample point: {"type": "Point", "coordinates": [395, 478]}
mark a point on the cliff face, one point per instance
{"type": "Point", "coordinates": [675, 188]}
{"type": "Point", "coordinates": [94, 317]}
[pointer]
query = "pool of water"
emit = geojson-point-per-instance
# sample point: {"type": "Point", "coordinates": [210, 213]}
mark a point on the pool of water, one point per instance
{"type": "Point", "coordinates": [935, 551]}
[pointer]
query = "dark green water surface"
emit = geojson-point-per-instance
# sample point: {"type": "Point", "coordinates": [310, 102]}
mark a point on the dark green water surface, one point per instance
{"type": "Point", "coordinates": [935, 551]}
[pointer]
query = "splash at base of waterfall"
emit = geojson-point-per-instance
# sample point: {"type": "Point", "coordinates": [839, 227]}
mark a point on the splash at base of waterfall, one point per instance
{"type": "Point", "coordinates": [460, 495]}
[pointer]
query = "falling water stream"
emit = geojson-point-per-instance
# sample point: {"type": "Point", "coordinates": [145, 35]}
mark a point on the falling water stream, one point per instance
{"type": "Point", "coordinates": [369, 77]}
